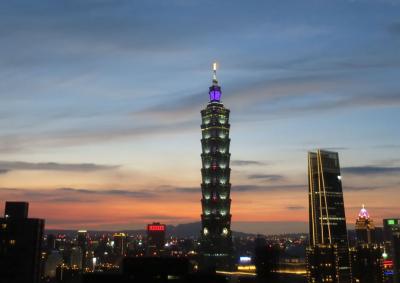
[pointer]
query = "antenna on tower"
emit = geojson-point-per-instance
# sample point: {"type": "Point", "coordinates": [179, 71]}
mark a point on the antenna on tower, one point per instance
{"type": "Point", "coordinates": [214, 66]}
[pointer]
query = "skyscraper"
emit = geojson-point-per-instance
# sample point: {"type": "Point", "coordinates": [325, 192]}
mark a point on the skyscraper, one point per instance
{"type": "Point", "coordinates": [82, 241]}
{"type": "Point", "coordinates": [365, 228]}
{"type": "Point", "coordinates": [391, 229]}
{"type": "Point", "coordinates": [366, 256]}
{"type": "Point", "coordinates": [119, 244]}
{"type": "Point", "coordinates": [155, 238]}
{"type": "Point", "coordinates": [20, 244]}
{"type": "Point", "coordinates": [216, 235]}
{"type": "Point", "coordinates": [327, 221]}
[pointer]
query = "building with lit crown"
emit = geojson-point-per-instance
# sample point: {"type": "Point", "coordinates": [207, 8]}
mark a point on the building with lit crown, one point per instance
{"type": "Point", "coordinates": [365, 228]}
{"type": "Point", "coordinates": [327, 221]}
{"type": "Point", "coordinates": [366, 257]}
{"type": "Point", "coordinates": [216, 235]}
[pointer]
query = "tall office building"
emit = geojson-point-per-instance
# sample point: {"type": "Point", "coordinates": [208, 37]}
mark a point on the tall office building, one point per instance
{"type": "Point", "coordinates": [216, 235]}
{"type": "Point", "coordinates": [155, 238]}
{"type": "Point", "coordinates": [327, 221]}
{"type": "Point", "coordinates": [366, 256]}
{"type": "Point", "coordinates": [20, 244]}
{"type": "Point", "coordinates": [119, 244]}
{"type": "Point", "coordinates": [391, 230]}
{"type": "Point", "coordinates": [365, 228]}
{"type": "Point", "coordinates": [82, 241]}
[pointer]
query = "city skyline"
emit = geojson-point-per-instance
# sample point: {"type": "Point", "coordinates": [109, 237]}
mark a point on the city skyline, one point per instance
{"type": "Point", "coordinates": [99, 108]}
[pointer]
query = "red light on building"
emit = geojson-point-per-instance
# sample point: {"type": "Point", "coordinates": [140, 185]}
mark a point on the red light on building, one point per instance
{"type": "Point", "coordinates": [156, 227]}
{"type": "Point", "coordinates": [388, 263]}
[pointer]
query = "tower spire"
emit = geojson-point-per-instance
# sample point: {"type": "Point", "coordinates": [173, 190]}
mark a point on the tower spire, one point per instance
{"type": "Point", "coordinates": [214, 66]}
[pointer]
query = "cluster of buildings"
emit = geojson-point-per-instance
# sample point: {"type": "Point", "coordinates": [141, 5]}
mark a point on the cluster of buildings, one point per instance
{"type": "Point", "coordinates": [373, 257]}
{"type": "Point", "coordinates": [28, 255]}
{"type": "Point", "coordinates": [329, 257]}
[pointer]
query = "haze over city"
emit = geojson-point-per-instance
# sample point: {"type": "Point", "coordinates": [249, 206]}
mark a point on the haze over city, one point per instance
{"type": "Point", "coordinates": [100, 107]}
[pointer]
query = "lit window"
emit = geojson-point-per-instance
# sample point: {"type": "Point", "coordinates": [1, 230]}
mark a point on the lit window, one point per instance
{"type": "Point", "coordinates": [225, 231]}
{"type": "Point", "coordinates": [205, 231]}
{"type": "Point", "coordinates": [12, 242]}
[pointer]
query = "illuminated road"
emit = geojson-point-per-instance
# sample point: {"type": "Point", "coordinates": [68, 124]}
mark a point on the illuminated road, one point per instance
{"type": "Point", "coordinates": [253, 272]}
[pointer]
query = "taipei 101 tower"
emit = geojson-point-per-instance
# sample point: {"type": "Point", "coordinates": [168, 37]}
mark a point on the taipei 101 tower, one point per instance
{"type": "Point", "coordinates": [216, 234]}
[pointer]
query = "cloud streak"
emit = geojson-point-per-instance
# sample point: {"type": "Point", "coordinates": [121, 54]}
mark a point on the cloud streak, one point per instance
{"type": "Point", "coordinates": [115, 192]}
{"type": "Point", "coordinates": [268, 188]}
{"type": "Point", "coordinates": [370, 170]}
{"type": "Point", "coordinates": [267, 177]}
{"type": "Point", "coordinates": [7, 166]}
{"type": "Point", "coordinates": [296, 207]}
{"type": "Point", "coordinates": [246, 163]}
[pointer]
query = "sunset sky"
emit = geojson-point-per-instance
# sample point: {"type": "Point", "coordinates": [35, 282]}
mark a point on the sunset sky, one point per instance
{"type": "Point", "coordinates": [100, 107]}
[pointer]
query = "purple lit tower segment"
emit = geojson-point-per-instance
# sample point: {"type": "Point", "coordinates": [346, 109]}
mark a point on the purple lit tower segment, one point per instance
{"type": "Point", "coordinates": [215, 93]}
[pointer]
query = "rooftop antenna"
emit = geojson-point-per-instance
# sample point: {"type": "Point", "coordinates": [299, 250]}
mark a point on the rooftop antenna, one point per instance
{"type": "Point", "coordinates": [214, 66]}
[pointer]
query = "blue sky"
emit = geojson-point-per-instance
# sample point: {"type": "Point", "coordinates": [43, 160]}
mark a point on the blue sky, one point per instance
{"type": "Point", "coordinates": [119, 85]}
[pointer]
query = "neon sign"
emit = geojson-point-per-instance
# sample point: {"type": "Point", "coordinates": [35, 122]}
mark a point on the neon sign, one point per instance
{"type": "Point", "coordinates": [156, 227]}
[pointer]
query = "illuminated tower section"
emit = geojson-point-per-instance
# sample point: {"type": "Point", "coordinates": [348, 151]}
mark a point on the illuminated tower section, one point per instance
{"type": "Point", "coordinates": [216, 235]}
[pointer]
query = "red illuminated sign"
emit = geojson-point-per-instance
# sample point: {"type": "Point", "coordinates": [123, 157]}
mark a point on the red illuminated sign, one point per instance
{"type": "Point", "coordinates": [156, 227]}
{"type": "Point", "coordinates": [388, 264]}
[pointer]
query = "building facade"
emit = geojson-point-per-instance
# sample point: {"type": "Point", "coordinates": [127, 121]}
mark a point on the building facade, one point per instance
{"type": "Point", "coordinates": [216, 235]}
{"type": "Point", "coordinates": [20, 244]}
{"type": "Point", "coordinates": [327, 221]}
{"type": "Point", "coordinates": [322, 263]}
{"type": "Point", "coordinates": [367, 263]}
